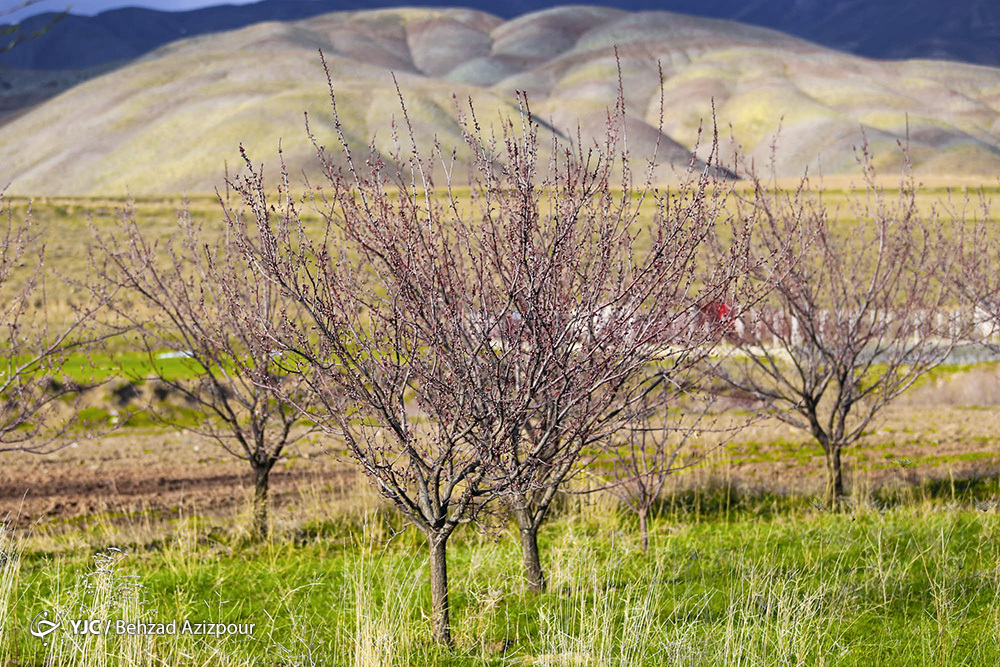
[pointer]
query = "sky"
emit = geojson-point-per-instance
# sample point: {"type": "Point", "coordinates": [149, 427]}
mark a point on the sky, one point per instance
{"type": "Point", "coordinates": [91, 7]}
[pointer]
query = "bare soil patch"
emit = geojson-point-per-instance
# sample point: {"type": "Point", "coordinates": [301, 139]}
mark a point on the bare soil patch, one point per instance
{"type": "Point", "coordinates": [155, 471]}
{"type": "Point", "coordinates": [948, 429]}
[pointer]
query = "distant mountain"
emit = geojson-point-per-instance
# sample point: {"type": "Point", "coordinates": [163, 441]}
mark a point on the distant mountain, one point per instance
{"type": "Point", "coordinates": [169, 122]}
{"type": "Point", "coordinates": [961, 30]}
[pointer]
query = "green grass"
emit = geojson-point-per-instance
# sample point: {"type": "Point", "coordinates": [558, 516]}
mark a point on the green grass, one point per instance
{"type": "Point", "coordinates": [102, 366]}
{"type": "Point", "coordinates": [770, 581]}
{"type": "Point", "coordinates": [937, 460]}
{"type": "Point", "coordinates": [946, 371]}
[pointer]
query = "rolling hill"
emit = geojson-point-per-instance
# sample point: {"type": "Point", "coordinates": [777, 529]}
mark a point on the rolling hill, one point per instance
{"type": "Point", "coordinates": [168, 122]}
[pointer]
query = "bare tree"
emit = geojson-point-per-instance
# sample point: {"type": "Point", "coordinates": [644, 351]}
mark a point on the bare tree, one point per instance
{"type": "Point", "coordinates": [857, 313]}
{"type": "Point", "coordinates": [30, 387]}
{"type": "Point", "coordinates": [15, 35]}
{"type": "Point", "coordinates": [599, 315]}
{"type": "Point", "coordinates": [392, 325]}
{"type": "Point", "coordinates": [181, 298]}
{"type": "Point", "coordinates": [974, 275]}
{"type": "Point", "coordinates": [382, 311]}
{"type": "Point", "coordinates": [469, 348]}
{"type": "Point", "coordinates": [34, 390]}
{"type": "Point", "coordinates": [640, 458]}
{"type": "Point", "coordinates": [610, 283]}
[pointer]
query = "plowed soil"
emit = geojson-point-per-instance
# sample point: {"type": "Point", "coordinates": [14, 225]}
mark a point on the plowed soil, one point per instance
{"type": "Point", "coordinates": [949, 430]}
{"type": "Point", "coordinates": [158, 472]}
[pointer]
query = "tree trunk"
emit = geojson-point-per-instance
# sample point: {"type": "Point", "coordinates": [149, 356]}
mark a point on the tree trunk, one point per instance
{"type": "Point", "coordinates": [260, 525]}
{"type": "Point", "coordinates": [644, 531]}
{"type": "Point", "coordinates": [532, 562]}
{"type": "Point", "coordinates": [834, 477]}
{"type": "Point", "coordinates": [533, 574]}
{"type": "Point", "coordinates": [439, 588]}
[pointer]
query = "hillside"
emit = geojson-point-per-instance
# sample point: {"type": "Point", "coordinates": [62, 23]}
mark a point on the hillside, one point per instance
{"type": "Point", "coordinates": [168, 122]}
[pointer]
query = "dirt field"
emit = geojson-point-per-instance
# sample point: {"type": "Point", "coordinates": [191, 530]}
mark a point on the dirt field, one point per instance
{"type": "Point", "coordinates": [946, 429]}
{"type": "Point", "coordinates": [154, 471]}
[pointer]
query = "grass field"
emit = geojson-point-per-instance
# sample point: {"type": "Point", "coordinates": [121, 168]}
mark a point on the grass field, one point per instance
{"type": "Point", "coordinates": [67, 224]}
{"type": "Point", "coordinates": [754, 580]}
{"type": "Point", "coordinates": [745, 567]}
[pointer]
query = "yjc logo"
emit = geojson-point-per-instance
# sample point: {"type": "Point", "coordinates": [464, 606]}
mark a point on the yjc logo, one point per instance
{"type": "Point", "coordinates": [85, 626]}
{"type": "Point", "coordinates": [41, 626]}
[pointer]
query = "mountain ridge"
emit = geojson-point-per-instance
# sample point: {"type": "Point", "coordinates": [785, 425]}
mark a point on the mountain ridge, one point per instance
{"type": "Point", "coordinates": [168, 122]}
{"type": "Point", "coordinates": [962, 30]}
